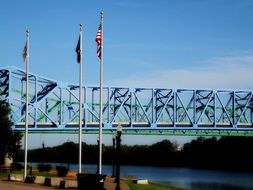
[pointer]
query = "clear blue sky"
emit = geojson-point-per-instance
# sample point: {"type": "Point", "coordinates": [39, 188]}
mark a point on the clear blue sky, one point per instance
{"type": "Point", "coordinates": [163, 43]}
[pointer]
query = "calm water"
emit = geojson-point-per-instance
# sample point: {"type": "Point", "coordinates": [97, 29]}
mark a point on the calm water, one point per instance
{"type": "Point", "coordinates": [191, 179]}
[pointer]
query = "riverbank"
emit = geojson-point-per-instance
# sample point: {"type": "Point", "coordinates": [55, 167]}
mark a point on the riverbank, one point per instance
{"type": "Point", "coordinates": [126, 184]}
{"type": "Point", "coordinates": [200, 153]}
{"type": "Point", "coordinates": [186, 178]}
{"type": "Point", "coordinates": [150, 186]}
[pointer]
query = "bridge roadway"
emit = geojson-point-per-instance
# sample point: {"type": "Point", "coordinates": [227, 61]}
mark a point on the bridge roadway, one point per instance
{"type": "Point", "coordinates": [54, 108]}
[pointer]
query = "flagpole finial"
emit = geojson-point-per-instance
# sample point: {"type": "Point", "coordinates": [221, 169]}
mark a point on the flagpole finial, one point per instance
{"type": "Point", "coordinates": [81, 26]}
{"type": "Point", "coordinates": [102, 13]}
{"type": "Point", "coordinates": [27, 31]}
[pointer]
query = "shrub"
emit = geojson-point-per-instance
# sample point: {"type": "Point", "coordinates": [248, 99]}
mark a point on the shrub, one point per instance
{"type": "Point", "coordinates": [61, 171]}
{"type": "Point", "coordinates": [17, 166]}
{"type": "Point", "coordinates": [44, 167]}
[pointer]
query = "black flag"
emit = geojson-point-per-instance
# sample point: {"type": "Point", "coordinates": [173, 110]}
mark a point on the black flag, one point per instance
{"type": "Point", "coordinates": [78, 51]}
{"type": "Point", "coordinates": [25, 53]}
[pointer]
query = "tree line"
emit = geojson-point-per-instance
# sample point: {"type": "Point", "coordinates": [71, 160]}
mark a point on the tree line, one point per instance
{"type": "Point", "coordinates": [228, 153]}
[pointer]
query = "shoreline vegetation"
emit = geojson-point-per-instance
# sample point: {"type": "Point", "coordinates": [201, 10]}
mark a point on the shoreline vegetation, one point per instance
{"type": "Point", "coordinates": [225, 153]}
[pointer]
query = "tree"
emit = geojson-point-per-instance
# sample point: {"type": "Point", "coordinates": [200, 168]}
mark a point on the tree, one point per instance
{"type": "Point", "coordinates": [163, 151]}
{"type": "Point", "coordinates": [10, 142]}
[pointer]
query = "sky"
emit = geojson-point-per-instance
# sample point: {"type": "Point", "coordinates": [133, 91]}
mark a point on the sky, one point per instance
{"type": "Point", "coordinates": [204, 44]}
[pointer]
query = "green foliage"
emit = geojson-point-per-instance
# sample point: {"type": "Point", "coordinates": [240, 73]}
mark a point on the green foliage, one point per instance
{"type": "Point", "coordinates": [10, 142]}
{"type": "Point", "coordinates": [44, 167]}
{"type": "Point", "coordinates": [17, 166]}
{"type": "Point", "coordinates": [61, 171]}
{"type": "Point", "coordinates": [164, 151]}
{"type": "Point", "coordinates": [229, 153]}
{"type": "Point", "coordinates": [65, 153]}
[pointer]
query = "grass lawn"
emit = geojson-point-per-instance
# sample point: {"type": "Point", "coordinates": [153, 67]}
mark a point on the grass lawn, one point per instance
{"type": "Point", "coordinates": [150, 186]}
{"type": "Point", "coordinates": [3, 174]}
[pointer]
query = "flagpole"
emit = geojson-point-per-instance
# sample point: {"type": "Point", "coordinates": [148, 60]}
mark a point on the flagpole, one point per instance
{"type": "Point", "coordinates": [101, 96]}
{"type": "Point", "coordinates": [26, 106]}
{"type": "Point", "coordinates": [80, 100]}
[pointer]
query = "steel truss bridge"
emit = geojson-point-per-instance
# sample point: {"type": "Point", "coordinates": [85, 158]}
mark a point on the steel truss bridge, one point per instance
{"type": "Point", "coordinates": [54, 107]}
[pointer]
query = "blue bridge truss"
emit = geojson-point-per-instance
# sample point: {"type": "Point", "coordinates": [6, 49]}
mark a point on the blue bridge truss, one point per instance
{"type": "Point", "coordinates": [54, 107]}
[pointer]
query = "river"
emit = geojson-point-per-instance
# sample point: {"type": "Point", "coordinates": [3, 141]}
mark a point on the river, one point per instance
{"type": "Point", "coordinates": [190, 179]}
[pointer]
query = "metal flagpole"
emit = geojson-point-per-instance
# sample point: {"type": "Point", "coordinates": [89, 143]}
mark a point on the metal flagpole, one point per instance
{"type": "Point", "coordinates": [26, 57]}
{"type": "Point", "coordinates": [80, 100]}
{"type": "Point", "coordinates": [101, 97]}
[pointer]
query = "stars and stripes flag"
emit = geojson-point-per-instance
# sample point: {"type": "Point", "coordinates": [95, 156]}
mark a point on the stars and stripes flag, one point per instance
{"type": "Point", "coordinates": [99, 40]}
{"type": "Point", "coordinates": [25, 52]}
{"type": "Point", "coordinates": [78, 50]}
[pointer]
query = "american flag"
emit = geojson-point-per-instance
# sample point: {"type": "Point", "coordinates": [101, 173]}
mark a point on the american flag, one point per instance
{"type": "Point", "coordinates": [99, 41]}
